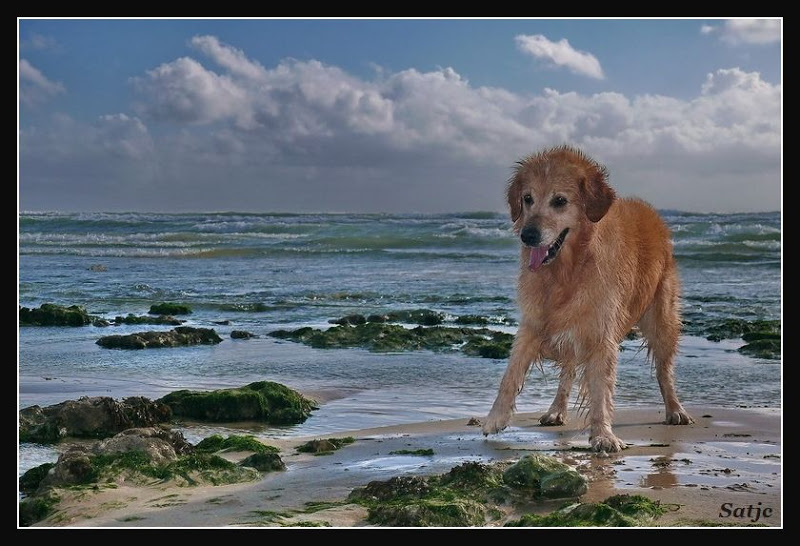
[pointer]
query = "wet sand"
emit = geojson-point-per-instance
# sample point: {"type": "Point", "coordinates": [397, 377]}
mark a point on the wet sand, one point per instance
{"type": "Point", "coordinates": [726, 469]}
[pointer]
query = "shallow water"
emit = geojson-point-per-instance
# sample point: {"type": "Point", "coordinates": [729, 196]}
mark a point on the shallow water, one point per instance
{"type": "Point", "coordinates": [282, 271]}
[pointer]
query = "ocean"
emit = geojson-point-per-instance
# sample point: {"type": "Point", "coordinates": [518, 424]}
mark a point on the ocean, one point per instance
{"type": "Point", "coordinates": [264, 272]}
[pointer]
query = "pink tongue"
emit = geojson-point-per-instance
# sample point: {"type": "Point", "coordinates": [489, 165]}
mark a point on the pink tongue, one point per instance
{"type": "Point", "coordinates": [538, 255]}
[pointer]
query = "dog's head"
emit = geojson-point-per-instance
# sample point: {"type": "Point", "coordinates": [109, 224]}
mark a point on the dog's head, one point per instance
{"type": "Point", "coordinates": [552, 196]}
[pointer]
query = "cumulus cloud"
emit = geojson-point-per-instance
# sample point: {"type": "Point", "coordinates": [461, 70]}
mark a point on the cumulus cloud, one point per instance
{"type": "Point", "coordinates": [309, 136]}
{"type": "Point", "coordinates": [560, 53]}
{"type": "Point", "coordinates": [39, 42]}
{"type": "Point", "coordinates": [34, 87]}
{"type": "Point", "coordinates": [746, 31]}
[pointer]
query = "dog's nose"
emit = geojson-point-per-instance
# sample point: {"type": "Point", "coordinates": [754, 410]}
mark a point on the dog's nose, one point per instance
{"type": "Point", "coordinates": [531, 236]}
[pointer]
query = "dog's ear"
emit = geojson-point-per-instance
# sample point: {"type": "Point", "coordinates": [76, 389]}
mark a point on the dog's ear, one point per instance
{"type": "Point", "coordinates": [514, 196]}
{"type": "Point", "coordinates": [597, 194]}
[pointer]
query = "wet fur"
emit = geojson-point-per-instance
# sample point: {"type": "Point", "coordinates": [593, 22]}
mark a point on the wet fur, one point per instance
{"type": "Point", "coordinates": [614, 271]}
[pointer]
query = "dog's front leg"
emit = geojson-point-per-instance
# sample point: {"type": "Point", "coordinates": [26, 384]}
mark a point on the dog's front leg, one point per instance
{"type": "Point", "coordinates": [599, 376]}
{"type": "Point", "coordinates": [524, 351]}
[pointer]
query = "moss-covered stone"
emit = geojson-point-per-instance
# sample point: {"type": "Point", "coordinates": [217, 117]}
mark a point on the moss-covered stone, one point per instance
{"type": "Point", "coordinates": [615, 511]}
{"type": "Point", "coordinates": [264, 462]}
{"type": "Point", "coordinates": [35, 509]}
{"type": "Point", "coordinates": [423, 317]}
{"type": "Point", "coordinates": [429, 513]}
{"type": "Point", "coordinates": [178, 337]}
{"type": "Point", "coordinates": [545, 477]}
{"type": "Point", "coordinates": [216, 443]}
{"type": "Point", "coordinates": [242, 334]}
{"type": "Point", "coordinates": [762, 344]}
{"type": "Point", "coordinates": [89, 417]}
{"type": "Point", "coordinates": [263, 401]}
{"type": "Point", "coordinates": [350, 319]}
{"type": "Point", "coordinates": [30, 480]}
{"type": "Point", "coordinates": [384, 337]}
{"type": "Point", "coordinates": [145, 319]}
{"type": "Point", "coordinates": [421, 452]}
{"type": "Point", "coordinates": [325, 446]}
{"type": "Point", "coordinates": [763, 337]}
{"type": "Point", "coordinates": [50, 314]}
{"type": "Point", "coordinates": [168, 308]}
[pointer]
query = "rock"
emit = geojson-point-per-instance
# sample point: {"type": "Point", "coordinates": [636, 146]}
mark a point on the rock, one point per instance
{"type": "Point", "coordinates": [144, 319]}
{"type": "Point", "coordinates": [100, 268]}
{"type": "Point", "coordinates": [158, 444]}
{"type": "Point", "coordinates": [429, 513]}
{"type": "Point", "coordinates": [170, 309]}
{"type": "Point", "coordinates": [49, 314]}
{"type": "Point", "coordinates": [423, 317]}
{"type": "Point", "coordinates": [178, 337]}
{"type": "Point", "coordinates": [545, 477]}
{"type": "Point", "coordinates": [264, 462]}
{"type": "Point", "coordinates": [95, 417]}
{"type": "Point", "coordinates": [263, 401]}
{"type": "Point", "coordinates": [350, 319]}
{"type": "Point", "coordinates": [398, 487]}
{"type": "Point", "coordinates": [241, 334]}
{"type": "Point", "coordinates": [615, 511]}
{"type": "Point", "coordinates": [325, 446]}
{"type": "Point", "coordinates": [30, 480]}
{"type": "Point", "coordinates": [382, 337]}
{"type": "Point", "coordinates": [216, 443]}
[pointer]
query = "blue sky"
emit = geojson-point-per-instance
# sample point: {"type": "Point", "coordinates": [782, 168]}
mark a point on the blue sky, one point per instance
{"type": "Point", "coordinates": [392, 115]}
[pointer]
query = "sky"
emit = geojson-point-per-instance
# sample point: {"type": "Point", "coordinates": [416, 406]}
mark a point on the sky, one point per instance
{"type": "Point", "coordinates": [392, 115]}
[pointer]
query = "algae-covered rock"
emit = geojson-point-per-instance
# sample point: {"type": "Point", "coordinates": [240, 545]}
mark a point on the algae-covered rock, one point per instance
{"type": "Point", "coordinates": [89, 417]}
{"type": "Point", "coordinates": [393, 489]}
{"type": "Point", "coordinates": [615, 511]}
{"type": "Point", "coordinates": [50, 314]}
{"type": "Point", "coordinates": [264, 401]}
{"type": "Point", "coordinates": [324, 446]}
{"type": "Point", "coordinates": [130, 318]}
{"type": "Point", "coordinates": [545, 477]}
{"type": "Point", "coordinates": [429, 513]}
{"type": "Point", "coordinates": [34, 509]}
{"type": "Point", "coordinates": [384, 337]}
{"type": "Point", "coordinates": [178, 337]}
{"type": "Point", "coordinates": [30, 480]}
{"type": "Point", "coordinates": [216, 443]}
{"type": "Point", "coordinates": [170, 309]}
{"type": "Point", "coordinates": [264, 462]}
{"type": "Point", "coordinates": [242, 334]}
{"type": "Point", "coordinates": [763, 344]}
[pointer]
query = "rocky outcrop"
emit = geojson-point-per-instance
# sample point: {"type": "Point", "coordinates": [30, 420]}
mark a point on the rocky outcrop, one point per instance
{"type": "Point", "coordinates": [263, 401]}
{"type": "Point", "coordinates": [50, 314]}
{"type": "Point", "coordinates": [178, 337]}
{"type": "Point", "coordinates": [89, 417]}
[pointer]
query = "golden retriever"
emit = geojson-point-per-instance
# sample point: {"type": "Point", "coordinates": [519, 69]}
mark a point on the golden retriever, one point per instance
{"type": "Point", "coordinates": [592, 266]}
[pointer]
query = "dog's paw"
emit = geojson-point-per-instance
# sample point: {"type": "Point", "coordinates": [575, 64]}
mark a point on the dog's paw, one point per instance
{"type": "Point", "coordinates": [553, 419]}
{"type": "Point", "coordinates": [607, 444]}
{"type": "Point", "coordinates": [495, 422]}
{"type": "Point", "coordinates": [679, 417]}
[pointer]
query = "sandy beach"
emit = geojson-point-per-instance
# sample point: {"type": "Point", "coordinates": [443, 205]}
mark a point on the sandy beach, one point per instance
{"type": "Point", "coordinates": [726, 469]}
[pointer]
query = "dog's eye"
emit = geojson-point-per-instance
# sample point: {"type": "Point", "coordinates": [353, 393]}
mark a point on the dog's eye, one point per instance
{"type": "Point", "coordinates": [558, 201]}
{"type": "Point", "coordinates": [527, 199]}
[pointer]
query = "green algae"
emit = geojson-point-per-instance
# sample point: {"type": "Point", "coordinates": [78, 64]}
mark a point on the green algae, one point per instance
{"type": "Point", "coordinates": [168, 308]}
{"type": "Point", "coordinates": [264, 401]}
{"type": "Point", "coordinates": [384, 338]}
{"type": "Point", "coordinates": [216, 443]}
{"type": "Point", "coordinates": [615, 511]}
{"type": "Point", "coordinates": [421, 452]}
{"type": "Point", "coordinates": [50, 314]}
{"type": "Point", "coordinates": [325, 446]}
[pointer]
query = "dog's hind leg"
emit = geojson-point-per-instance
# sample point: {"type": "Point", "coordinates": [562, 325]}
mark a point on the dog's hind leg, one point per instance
{"type": "Point", "coordinates": [661, 325]}
{"type": "Point", "coordinates": [557, 414]}
{"type": "Point", "coordinates": [524, 351]}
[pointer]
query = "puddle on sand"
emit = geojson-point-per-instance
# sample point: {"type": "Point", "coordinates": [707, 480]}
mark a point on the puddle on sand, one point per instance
{"type": "Point", "coordinates": [714, 467]}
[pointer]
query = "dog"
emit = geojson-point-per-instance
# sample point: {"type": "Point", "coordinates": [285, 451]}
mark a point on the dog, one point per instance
{"type": "Point", "coordinates": [592, 266]}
